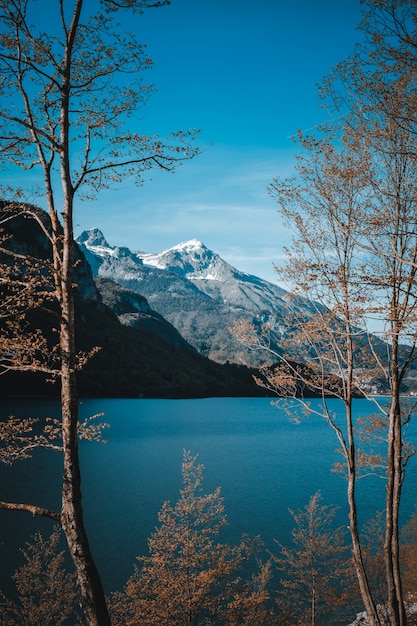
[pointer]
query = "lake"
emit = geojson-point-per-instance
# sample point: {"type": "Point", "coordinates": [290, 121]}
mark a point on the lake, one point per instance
{"type": "Point", "coordinates": [265, 464]}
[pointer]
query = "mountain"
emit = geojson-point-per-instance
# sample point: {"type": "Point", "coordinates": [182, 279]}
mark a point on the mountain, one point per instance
{"type": "Point", "coordinates": [133, 310]}
{"type": "Point", "coordinates": [140, 354]}
{"type": "Point", "coordinates": [199, 293]}
{"type": "Point", "coordinates": [202, 296]}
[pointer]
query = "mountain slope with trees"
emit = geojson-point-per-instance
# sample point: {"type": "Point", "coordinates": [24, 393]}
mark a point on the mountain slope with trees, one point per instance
{"type": "Point", "coordinates": [209, 303]}
{"type": "Point", "coordinates": [140, 354]}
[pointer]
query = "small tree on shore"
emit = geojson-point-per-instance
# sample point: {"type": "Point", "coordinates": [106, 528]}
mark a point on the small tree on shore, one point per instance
{"type": "Point", "coordinates": [188, 577]}
{"type": "Point", "coordinates": [317, 572]}
{"type": "Point", "coordinates": [47, 593]}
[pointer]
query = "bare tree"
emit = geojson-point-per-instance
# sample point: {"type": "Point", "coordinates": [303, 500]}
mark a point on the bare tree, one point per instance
{"type": "Point", "coordinates": [352, 208]}
{"type": "Point", "coordinates": [68, 99]}
{"type": "Point", "coordinates": [322, 207]}
{"type": "Point", "coordinates": [374, 92]}
{"type": "Point", "coordinates": [329, 274]}
{"type": "Point", "coordinates": [359, 263]}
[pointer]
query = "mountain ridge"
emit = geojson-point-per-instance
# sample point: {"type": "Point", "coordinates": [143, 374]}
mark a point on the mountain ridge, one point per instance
{"type": "Point", "coordinates": [203, 296]}
{"type": "Point", "coordinates": [199, 293]}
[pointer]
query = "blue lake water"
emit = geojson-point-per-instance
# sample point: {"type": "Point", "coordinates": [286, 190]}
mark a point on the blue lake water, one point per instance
{"type": "Point", "coordinates": [264, 463]}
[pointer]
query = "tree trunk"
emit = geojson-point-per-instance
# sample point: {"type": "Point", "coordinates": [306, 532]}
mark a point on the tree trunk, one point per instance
{"type": "Point", "coordinates": [395, 600]}
{"type": "Point", "coordinates": [357, 556]}
{"type": "Point", "coordinates": [398, 473]}
{"type": "Point", "coordinates": [350, 452]}
{"type": "Point", "coordinates": [92, 595]}
{"type": "Point", "coordinates": [93, 600]}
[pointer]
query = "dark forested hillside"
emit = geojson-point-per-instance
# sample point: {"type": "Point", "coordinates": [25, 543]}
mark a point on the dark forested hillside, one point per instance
{"type": "Point", "coordinates": [146, 358]}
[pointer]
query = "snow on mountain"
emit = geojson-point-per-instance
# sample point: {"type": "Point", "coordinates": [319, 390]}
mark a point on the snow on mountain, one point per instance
{"type": "Point", "coordinates": [215, 277]}
{"type": "Point", "coordinates": [198, 292]}
{"type": "Point", "coordinates": [189, 260]}
{"type": "Point", "coordinates": [192, 260]}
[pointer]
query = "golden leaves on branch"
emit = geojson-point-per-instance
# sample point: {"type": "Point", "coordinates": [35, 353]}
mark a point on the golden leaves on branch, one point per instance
{"type": "Point", "coordinates": [19, 437]}
{"type": "Point", "coordinates": [245, 332]}
{"type": "Point", "coordinates": [315, 567]}
{"type": "Point", "coordinates": [91, 430]}
{"type": "Point", "coordinates": [47, 594]}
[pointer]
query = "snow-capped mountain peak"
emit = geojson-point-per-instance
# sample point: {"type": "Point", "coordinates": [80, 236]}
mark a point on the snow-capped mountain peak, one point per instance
{"type": "Point", "coordinates": [196, 291]}
{"type": "Point", "coordinates": [191, 244]}
{"type": "Point", "coordinates": [191, 259]}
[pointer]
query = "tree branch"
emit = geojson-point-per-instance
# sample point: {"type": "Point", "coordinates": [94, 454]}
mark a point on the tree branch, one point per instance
{"type": "Point", "coordinates": [31, 508]}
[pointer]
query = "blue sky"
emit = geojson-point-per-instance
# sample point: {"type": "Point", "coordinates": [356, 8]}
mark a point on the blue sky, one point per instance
{"type": "Point", "coordinates": [245, 73]}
